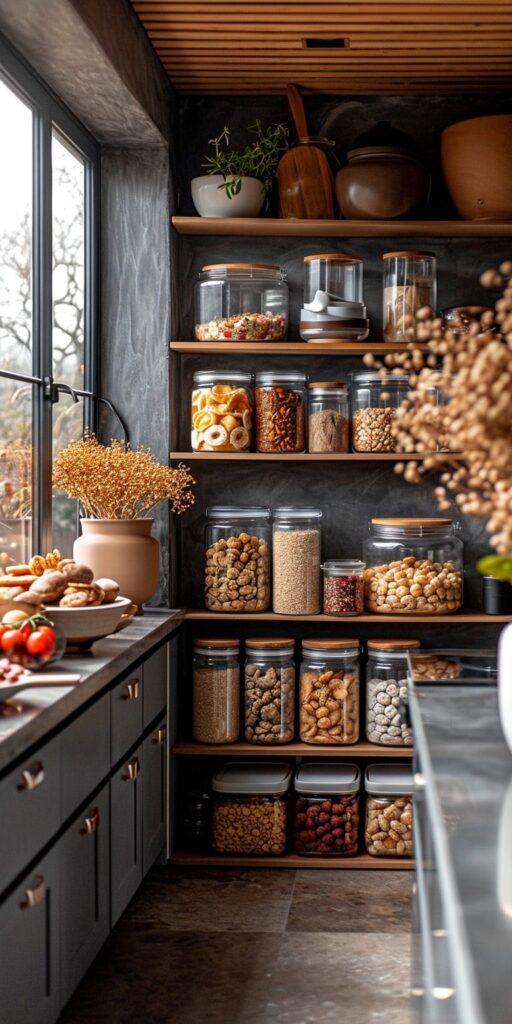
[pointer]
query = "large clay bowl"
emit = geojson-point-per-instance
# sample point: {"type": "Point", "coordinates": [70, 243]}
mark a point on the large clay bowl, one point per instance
{"type": "Point", "coordinates": [477, 165]}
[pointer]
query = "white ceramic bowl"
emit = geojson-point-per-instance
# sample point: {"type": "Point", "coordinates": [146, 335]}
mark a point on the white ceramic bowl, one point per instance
{"type": "Point", "coordinates": [210, 200]}
{"type": "Point", "coordinates": [82, 626]}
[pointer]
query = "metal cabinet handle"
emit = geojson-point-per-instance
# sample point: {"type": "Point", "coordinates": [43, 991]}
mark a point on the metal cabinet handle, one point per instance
{"type": "Point", "coordinates": [160, 736]}
{"type": "Point", "coordinates": [132, 690]}
{"type": "Point", "coordinates": [35, 895]}
{"type": "Point", "coordinates": [91, 823]}
{"type": "Point", "coordinates": [31, 777]}
{"type": "Point", "coordinates": [132, 770]}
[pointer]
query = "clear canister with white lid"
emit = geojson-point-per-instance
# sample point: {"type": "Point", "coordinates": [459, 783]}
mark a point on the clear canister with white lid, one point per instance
{"type": "Point", "coordinates": [328, 417]}
{"type": "Point", "coordinates": [280, 400]}
{"type": "Point", "coordinates": [269, 687]}
{"type": "Point", "coordinates": [296, 557]}
{"type": "Point", "coordinates": [338, 274]}
{"type": "Point", "coordinates": [250, 807]}
{"type": "Point", "coordinates": [329, 691]}
{"type": "Point", "coordinates": [216, 690]}
{"type": "Point", "coordinates": [409, 286]}
{"type": "Point", "coordinates": [326, 820]}
{"type": "Point", "coordinates": [386, 692]}
{"type": "Point", "coordinates": [241, 302]}
{"type": "Point", "coordinates": [222, 411]}
{"type": "Point", "coordinates": [388, 820]}
{"type": "Point", "coordinates": [333, 298]}
{"type": "Point", "coordinates": [237, 560]}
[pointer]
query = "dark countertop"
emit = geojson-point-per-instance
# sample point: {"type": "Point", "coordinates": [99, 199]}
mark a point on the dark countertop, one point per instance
{"type": "Point", "coordinates": [46, 708]}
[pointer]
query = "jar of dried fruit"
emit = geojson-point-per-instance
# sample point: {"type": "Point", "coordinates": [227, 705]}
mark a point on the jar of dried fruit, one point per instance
{"type": "Point", "coordinates": [222, 412]}
{"type": "Point", "coordinates": [374, 406]}
{"type": "Point", "coordinates": [388, 820]}
{"type": "Point", "coordinates": [328, 417]}
{"type": "Point", "coordinates": [269, 683]}
{"type": "Point", "coordinates": [250, 807]}
{"type": "Point", "coordinates": [296, 553]}
{"type": "Point", "coordinates": [237, 563]}
{"type": "Point", "coordinates": [241, 302]}
{"type": "Point", "coordinates": [216, 690]}
{"type": "Point", "coordinates": [280, 412]}
{"type": "Point", "coordinates": [329, 691]}
{"type": "Point", "coordinates": [343, 586]}
{"type": "Point", "coordinates": [409, 287]}
{"type": "Point", "coordinates": [326, 820]}
{"type": "Point", "coordinates": [386, 692]}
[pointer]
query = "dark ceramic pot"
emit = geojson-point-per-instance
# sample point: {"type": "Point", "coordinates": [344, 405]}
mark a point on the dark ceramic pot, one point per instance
{"type": "Point", "coordinates": [384, 178]}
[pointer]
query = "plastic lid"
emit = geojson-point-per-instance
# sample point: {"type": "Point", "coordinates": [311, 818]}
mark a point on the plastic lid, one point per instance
{"type": "Point", "coordinates": [327, 778]}
{"type": "Point", "coordinates": [343, 566]}
{"type": "Point", "coordinates": [327, 384]}
{"type": "Point", "coordinates": [296, 512]}
{"type": "Point", "coordinates": [412, 253]}
{"type": "Point", "coordinates": [340, 257]}
{"type": "Point", "coordinates": [330, 645]}
{"type": "Point", "coordinates": [222, 377]}
{"type": "Point", "coordinates": [215, 643]}
{"type": "Point", "coordinates": [238, 512]}
{"type": "Point", "coordinates": [238, 777]}
{"type": "Point", "coordinates": [392, 645]}
{"type": "Point", "coordinates": [269, 643]}
{"type": "Point", "coordinates": [393, 779]}
{"type": "Point", "coordinates": [271, 379]}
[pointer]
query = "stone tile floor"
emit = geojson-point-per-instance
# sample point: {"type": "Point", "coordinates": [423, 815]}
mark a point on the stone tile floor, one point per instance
{"type": "Point", "coordinates": [213, 946]}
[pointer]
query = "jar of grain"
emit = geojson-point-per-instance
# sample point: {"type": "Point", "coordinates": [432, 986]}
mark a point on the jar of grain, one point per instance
{"type": "Point", "coordinates": [374, 406]}
{"type": "Point", "coordinates": [326, 820]}
{"type": "Point", "coordinates": [250, 807]}
{"type": "Point", "coordinates": [386, 692]}
{"type": "Point", "coordinates": [409, 286]}
{"type": "Point", "coordinates": [269, 681]}
{"type": "Point", "coordinates": [328, 417]}
{"type": "Point", "coordinates": [343, 586]}
{"type": "Point", "coordinates": [216, 690]}
{"type": "Point", "coordinates": [414, 566]}
{"type": "Point", "coordinates": [388, 819]}
{"type": "Point", "coordinates": [280, 400]}
{"type": "Point", "coordinates": [329, 691]}
{"type": "Point", "coordinates": [237, 564]}
{"type": "Point", "coordinates": [222, 412]}
{"type": "Point", "coordinates": [296, 550]}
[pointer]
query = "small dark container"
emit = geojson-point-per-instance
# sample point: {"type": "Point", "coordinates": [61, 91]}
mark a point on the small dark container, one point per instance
{"type": "Point", "coordinates": [496, 596]}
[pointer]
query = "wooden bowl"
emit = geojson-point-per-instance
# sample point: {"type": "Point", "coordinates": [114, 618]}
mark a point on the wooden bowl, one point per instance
{"type": "Point", "coordinates": [83, 626]}
{"type": "Point", "coordinates": [476, 157]}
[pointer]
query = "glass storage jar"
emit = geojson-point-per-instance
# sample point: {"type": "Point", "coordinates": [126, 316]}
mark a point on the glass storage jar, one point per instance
{"type": "Point", "coordinates": [269, 685]}
{"type": "Point", "coordinates": [374, 406]}
{"type": "Point", "coordinates": [337, 274]}
{"type": "Point", "coordinates": [343, 586]}
{"type": "Point", "coordinates": [222, 412]}
{"type": "Point", "coordinates": [329, 691]}
{"type": "Point", "coordinates": [237, 564]}
{"type": "Point", "coordinates": [280, 412]}
{"type": "Point", "coordinates": [326, 820]}
{"type": "Point", "coordinates": [333, 298]}
{"type": "Point", "coordinates": [250, 808]}
{"type": "Point", "coordinates": [241, 302]}
{"type": "Point", "coordinates": [296, 557]}
{"type": "Point", "coordinates": [388, 820]}
{"type": "Point", "coordinates": [386, 691]}
{"type": "Point", "coordinates": [216, 690]}
{"type": "Point", "coordinates": [328, 417]}
{"type": "Point", "coordinates": [409, 286]}
{"type": "Point", "coordinates": [414, 566]}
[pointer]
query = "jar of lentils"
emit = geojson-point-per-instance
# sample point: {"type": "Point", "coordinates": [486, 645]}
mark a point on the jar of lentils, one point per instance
{"type": "Point", "coordinates": [343, 587]}
{"type": "Point", "coordinates": [280, 400]}
{"type": "Point", "coordinates": [237, 564]}
{"type": "Point", "coordinates": [329, 691]}
{"type": "Point", "coordinates": [386, 692]}
{"type": "Point", "coordinates": [216, 690]}
{"type": "Point", "coordinates": [326, 820]}
{"type": "Point", "coordinates": [388, 823]}
{"type": "Point", "coordinates": [269, 687]}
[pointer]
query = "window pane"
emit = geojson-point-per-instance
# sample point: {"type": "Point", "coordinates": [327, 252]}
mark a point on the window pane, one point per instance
{"type": "Point", "coordinates": [15, 233]}
{"type": "Point", "coordinates": [68, 424]}
{"type": "Point", "coordinates": [68, 263]}
{"type": "Point", "coordinates": [16, 468]}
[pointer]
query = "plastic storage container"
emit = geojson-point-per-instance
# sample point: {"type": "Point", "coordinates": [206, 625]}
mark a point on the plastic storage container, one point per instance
{"type": "Point", "coordinates": [333, 298]}
{"type": "Point", "coordinates": [269, 687]}
{"type": "Point", "coordinates": [326, 820]}
{"type": "Point", "coordinates": [281, 400]}
{"type": "Point", "coordinates": [386, 692]}
{"type": "Point", "coordinates": [216, 690]}
{"type": "Point", "coordinates": [237, 564]}
{"type": "Point", "coordinates": [329, 691]}
{"type": "Point", "coordinates": [414, 566]}
{"type": "Point", "coordinates": [343, 588]}
{"type": "Point", "coordinates": [388, 819]}
{"type": "Point", "coordinates": [328, 417]}
{"type": "Point", "coordinates": [374, 406]}
{"type": "Point", "coordinates": [296, 557]}
{"type": "Point", "coordinates": [250, 808]}
{"type": "Point", "coordinates": [409, 285]}
{"type": "Point", "coordinates": [222, 412]}
{"type": "Point", "coordinates": [241, 302]}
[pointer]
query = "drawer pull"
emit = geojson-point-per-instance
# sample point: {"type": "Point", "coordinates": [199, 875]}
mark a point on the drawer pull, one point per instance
{"type": "Point", "coordinates": [91, 823]}
{"type": "Point", "coordinates": [132, 770]}
{"type": "Point", "coordinates": [132, 690]}
{"type": "Point", "coordinates": [35, 895]}
{"type": "Point", "coordinates": [160, 736]}
{"type": "Point", "coordinates": [31, 777]}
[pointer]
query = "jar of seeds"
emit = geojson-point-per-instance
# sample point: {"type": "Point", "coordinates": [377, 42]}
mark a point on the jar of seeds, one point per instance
{"type": "Point", "coordinates": [216, 690]}
{"type": "Point", "coordinates": [343, 586]}
{"type": "Point", "coordinates": [296, 549]}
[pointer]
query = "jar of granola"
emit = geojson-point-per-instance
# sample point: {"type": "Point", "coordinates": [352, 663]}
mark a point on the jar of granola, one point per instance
{"type": "Point", "coordinates": [222, 412]}
{"type": "Point", "coordinates": [241, 302]}
{"type": "Point", "coordinates": [250, 807]}
{"type": "Point", "coordinates": [280, 412]}
{"type": "Point", "coordinates": [329, 691]}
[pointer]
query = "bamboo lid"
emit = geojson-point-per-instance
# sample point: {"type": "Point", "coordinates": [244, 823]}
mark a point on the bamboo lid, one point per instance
{"type": "Point", "coordinates": [327, 384]}
{"type": "Point", "coordinates": [329, 645]}
{"type": "Point", "coordinates": [270, 643]}
{"type": "Point", "coordinates": [340, 257]}
{"type": "Point", "coordinates": [241, 266]}
{"type": "Point", "coordinates": [392, 645]}
{"type": "Point", "coordinates": [215, 643]}
{"type": "Point", "coordinates": [412, 522]}
{"type": "Point", "coordinates": [413, 253]}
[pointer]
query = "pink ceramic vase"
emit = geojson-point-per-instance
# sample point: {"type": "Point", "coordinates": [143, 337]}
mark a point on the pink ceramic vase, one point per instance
{"type": "Point", "coordinates": [122, 550]}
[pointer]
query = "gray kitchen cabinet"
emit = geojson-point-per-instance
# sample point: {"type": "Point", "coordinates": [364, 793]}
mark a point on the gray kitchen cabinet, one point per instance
{"type": "Point", "coordinates": [155, 684]}
{"type": "Point", "coordinates": [154, 791]}
{"type": "Point", "coordinates": [29, 983]}
{"type": "Point", "coordinates": [126, 714]}
{"type": "Point", "coordinates": [29, 809]}
{"type": "Point", "coordinates": [84, 916]}
{"type": "Point", "coordinates": [125, 833]}
{"type": "Point", "coordinates": [85, 754]}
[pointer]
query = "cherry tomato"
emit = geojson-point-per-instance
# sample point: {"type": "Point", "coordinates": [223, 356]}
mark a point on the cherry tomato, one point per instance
{"type": "Point", "coordinates": [41, 642]}
{"type": "Point", "coordinates": [23, 634]}
{"type": "Point", "coordinates": [10, 639]}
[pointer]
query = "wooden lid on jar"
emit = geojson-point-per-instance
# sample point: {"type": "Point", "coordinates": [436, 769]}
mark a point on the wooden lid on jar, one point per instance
{"type": "Point", "coordinates": [411, 254]}
{"type": "Point", "coordinates": [392, 645]}
{"type": "Point", "coordinates": [272, 643]}
{"type": "Point", "coordinates": [412, 522]}
{"type": "Point", "coordinates": [340, 257]}
{"type": "Point", "coordinates": [241, 266]}
{"type": "Point", "coordinates": [327, 384]}
{"type": "Point", "coordinates": [329, 645]}
{"type": "Point", "coordinates": [214, 643]}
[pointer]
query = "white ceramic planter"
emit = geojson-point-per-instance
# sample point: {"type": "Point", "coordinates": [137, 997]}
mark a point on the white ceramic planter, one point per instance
{"type": "Point", "coordinates": [212, 201]}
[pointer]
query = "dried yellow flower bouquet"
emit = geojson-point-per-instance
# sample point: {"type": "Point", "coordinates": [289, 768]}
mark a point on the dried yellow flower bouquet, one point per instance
{"type": "Point", "coordinates": [119, 482]}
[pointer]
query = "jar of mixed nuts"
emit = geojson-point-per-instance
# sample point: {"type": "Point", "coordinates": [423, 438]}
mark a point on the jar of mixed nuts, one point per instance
{"type": "Point", "coordinates": [237, 564]}
{"type": "Point", "coordinates": [222, 412]}
{"type": "Point", "coordinates": [329, 691]}
{"type": "Point", "coordinates": [414, 566]}
{"type": "Point", "coordinates": [386, 691]}
{"type": "Point", "coordinates": [374, 406]}
{"type": "Point", "coordinates": [296, 552]}
{"type": "Point", "coordinates": [269, 682]}
{"type": "Point", "coordinates": [343, 586]}
{"type": "Point", "coordinates": [216, 690]}
{"type": "Point", "coordinates": [388, 822]}
{"type": "Point", "coordinates": [250, 808]}
{"type": "Point", "coordinates": [328, 417]}
{"type": "Point", "coordinates": [241, 302]}
{"type": "Point", "coordinates": [280, 412]}
{"type": "Point", "coordinates": [409, 286]}
{"type": "Point", "coordinates": [326, 821]}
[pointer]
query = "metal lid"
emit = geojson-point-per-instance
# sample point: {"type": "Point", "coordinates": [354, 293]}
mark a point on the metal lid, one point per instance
{"type": "Point", "coordinates": [412, 253]}
{"type": "Point", "coordinates": [393, 779]}
{"type": "Point", "coordinates": [330, 645]}
{"type": "Point", "coordinates": [343, 567]}
{"type": "Point", "coordinates": [392, 645]}
{"type": "Point", "coordinates": [222, 377]}
{"type": "Point", "coordinates": [241, 778]}
{"type": "Point", "coordinates": [327, 778]}
{"type": "Point", "coordinates": [213, 643]}
{"type": "Point", "coordinates": [269, 643]}
{"type": "Point", "coordinates": [327, 384]}
{"type": "Point", "coordinates": [339, 257]}
{"type": "Point", "coordinates": [296, 512]}
{"type": "Point", "coordinates": [237, 512]}
{"type": "Point", "coordinates": [270, 379]}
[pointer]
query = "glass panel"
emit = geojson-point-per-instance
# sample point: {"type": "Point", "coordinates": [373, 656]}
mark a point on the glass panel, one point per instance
{"type": "Point", "coordinates": [16, 470]}
{"type": "Point", "coordinates": [68, 263]}
{"type": "Point", "coordinates": [68, 424]}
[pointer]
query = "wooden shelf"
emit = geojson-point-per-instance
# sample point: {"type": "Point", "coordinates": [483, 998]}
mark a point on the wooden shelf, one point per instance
{"type": "Point", "coordinates": [284, 457]}
{"type": "Point", "coordinates": [288, 860]}
{"type": "Point", "coordinates": [465, 617]}
{"type": "Point", "coordinates": [190, 749]}
{"type": "Point", "coordinates": [277, 226]}
{"type": "Point", "coordinates": [288, 348]}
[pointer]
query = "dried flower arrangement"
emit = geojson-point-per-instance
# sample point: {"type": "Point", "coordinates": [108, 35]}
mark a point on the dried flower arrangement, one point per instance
{"type": "Point", "coordinates": [118, 482]}
{"type": "Point", "coordinates": [16, 480]}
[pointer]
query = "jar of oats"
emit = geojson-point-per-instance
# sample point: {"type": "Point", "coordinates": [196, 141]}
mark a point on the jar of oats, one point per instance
{"type": "Point", "coordinates": [250, 807]}
{"type": "Point", "coordinates": [388, 819]}
{"type": "Point", "coordinates": [216, 690]}
{"type": "Point", "coordinates": [386, 692]}
{"type": "Point", "coordinates": [296, 553]}
{"type": "Point", "coordinates": [269, 687]}
{"type": "Point", "coordinates": [237, 562]}
{"type": "Point", "coordinates": [329, 691]}
{"type": "Point", "coordinates": [374, 406]}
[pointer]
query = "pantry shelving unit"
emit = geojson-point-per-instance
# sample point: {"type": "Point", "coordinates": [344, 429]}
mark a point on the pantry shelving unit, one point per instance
{"type": "Point", "coordinates": [465, 617]}
{"type": "Point", "coordinates": [346, 752]}
{"type": "Point", "coordinates": [185, 858]}
{"type": "Point", "coordinates": [258, 227]}
{"type": "Point", "coordinates": [291, 457]}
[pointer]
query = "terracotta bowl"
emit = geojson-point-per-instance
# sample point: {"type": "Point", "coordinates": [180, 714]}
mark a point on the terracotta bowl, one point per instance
{"type": "Point", "coordinates": [82, 626]}
{"type": "Point", "coordinates": [477, 165]}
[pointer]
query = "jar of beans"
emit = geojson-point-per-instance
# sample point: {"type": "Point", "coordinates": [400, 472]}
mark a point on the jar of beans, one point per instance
{"type": "Point", "coordinates": [329, 691]}
{"type": "Point", "coordinates": [374, 406]}
{"type": "Point", "coordinates": [388, 821]}
{"type": "Point", "coordinates": [326, 819]}
{"type": "Point", "coordinates": [269, 685]}
{"type": "Point", "coordinates": [250, 808]}
{"type": "Point", "coordinates": [280, 401]}
{"type": "Point", "coordinates": [386, 692]}
{"type": "Point", "coordinates": [296, 555]}
{"type": "Point", "coordinates": [343, 587]}
{"type": "Point", "coordinates": [216, 690]}
{"type": "Point", "coordinates": [237, 562]}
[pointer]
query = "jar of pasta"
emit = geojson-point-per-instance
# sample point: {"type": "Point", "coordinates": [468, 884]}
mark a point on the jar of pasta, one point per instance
{"type": "Point", "coordinates": [329, 691]}
{"type": "Point", "coordinates": [222, 412]}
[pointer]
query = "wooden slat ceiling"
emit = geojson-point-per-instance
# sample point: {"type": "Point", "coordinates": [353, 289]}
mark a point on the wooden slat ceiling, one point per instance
{"type": "Point", "coordinates": [390, 46]}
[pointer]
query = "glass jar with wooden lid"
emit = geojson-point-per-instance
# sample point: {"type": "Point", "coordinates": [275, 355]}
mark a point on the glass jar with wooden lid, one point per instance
{"type": "Point", "coordinates": [329, 691]}
{"type": "Point", "coordinates": [269, 687]}
{"type": "Point", "coordinates": [241, 302]}
{"type": "Point", "coordinates": [409, 286]}
{"type": "Point", "coordinates": [216, 690]}
{"type": "Point", "coordinates": [328, 417]}
{"type": "Point", "coordinates": [386, 692]}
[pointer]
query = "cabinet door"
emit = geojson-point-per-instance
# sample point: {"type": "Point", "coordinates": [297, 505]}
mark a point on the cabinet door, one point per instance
{"type": "Point", "coordinates": [29, 810]}
{"type": "Point", "coordinates": [126, 712]}
{"type": "Point", "coordinates": [125, 833]}
{"type": "Point", "coordinates": [85, 754]}
{"type": "Point", "coordinates": [154, 763]}
{"type": "Point", "coordinates": [155, 684]}
{"type": "Point", "coordinates": [84, 891]}
{"type": "Point", "coordinates": [29, 985]}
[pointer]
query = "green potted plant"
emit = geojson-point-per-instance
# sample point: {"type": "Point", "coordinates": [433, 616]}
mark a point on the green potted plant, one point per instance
{"type": "Point", "coordinates": [238, 182]}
